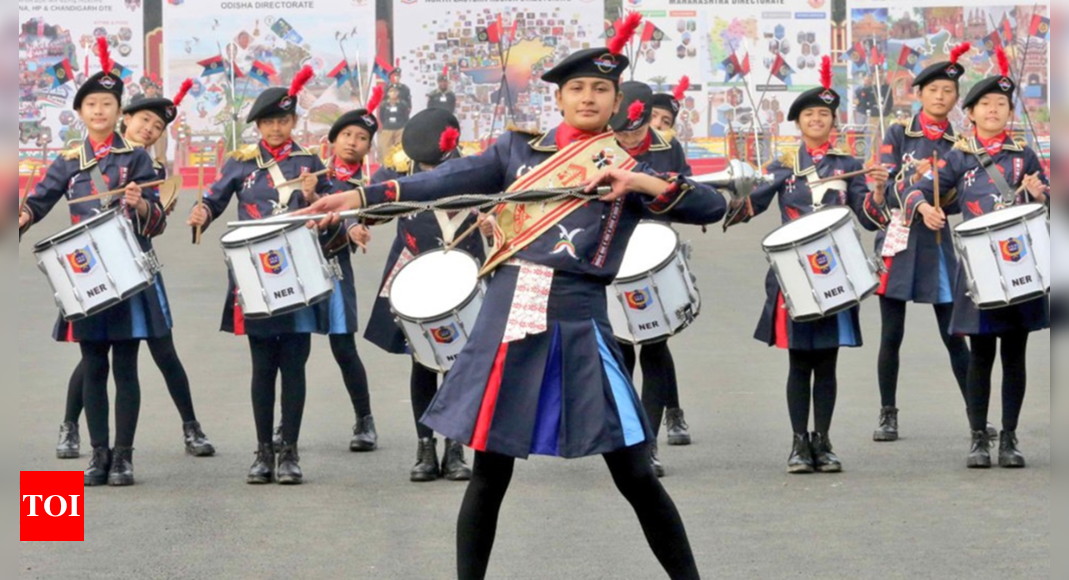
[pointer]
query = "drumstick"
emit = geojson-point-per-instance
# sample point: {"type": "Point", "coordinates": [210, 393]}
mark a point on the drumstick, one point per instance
{"type": "Point", "coordinates": [97, 196]}
{"type": "Point", "coordinates": [467, 233]}
{"type": "Point", "coordinates": [938, 202]}
{"type": "Point", "coordinates": [26, 193]}
{"type": "Point", "coordinates": [198, 230]}
{"type": "Point", "coordinates": [843, 176]}
{"type": "Point", "coordinates": [301, 178]}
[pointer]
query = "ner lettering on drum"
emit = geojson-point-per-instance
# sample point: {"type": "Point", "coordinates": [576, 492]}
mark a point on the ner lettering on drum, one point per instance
{"type": "Point", "coordinates": [94, 292]}
{"type": "Point", "coordinates": [834, 293]}
{"type": "Point", "coordinates": [285, 293]}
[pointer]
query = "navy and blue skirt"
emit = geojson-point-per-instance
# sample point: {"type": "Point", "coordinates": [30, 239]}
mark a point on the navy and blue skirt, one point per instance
{"type": "Point", "coordinates": [314, 319]}
{"type": "Point", "coordinates": [343, 312]}
{"type": "Point", "coordinates": [922, 272]}
{"type": "Point", "coordinates": [144, 316]}
{"type": "Point", "coordinates": [968, 320]}
{"type": "Point", "coordinates": [842, 330]}
{"type": "Point", "coordinates": [561, 393]}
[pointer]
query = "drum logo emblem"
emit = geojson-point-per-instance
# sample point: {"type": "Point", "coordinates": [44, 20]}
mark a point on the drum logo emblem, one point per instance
{"type": "Point", "coordinates": [82, 261]}
{"type": "Point", "coordinates": [639, 299]}
{"type": "Point", "coordinates": [1013, 249]}
{"type": "Point", "coordinates": [823, 262]}
{"type": "Point", "coordinates": [274, 262]}
{"type": "Point", "coordinates": [445, 334]}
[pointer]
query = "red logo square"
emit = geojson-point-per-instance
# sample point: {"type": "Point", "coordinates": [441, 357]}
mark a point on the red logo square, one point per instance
{"type": "Point", "coordinates": [52, 506]}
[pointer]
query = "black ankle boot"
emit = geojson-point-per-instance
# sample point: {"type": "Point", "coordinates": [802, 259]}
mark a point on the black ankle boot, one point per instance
{"type": "Point", "coordinates": [99, 466]}
{"type": "Point", "coordinates": [980, 456]}
{"type": "Point", "coordinates": [1008, 455]}
{"type": "Point", "coordinates": [70, 442]}
{"type": "Point", "coordinates": [122, 467]}
{"type": "Point", "coordinates": [289, 465]}
{"type": "Point", "coordinates": [263, 468]}
{"type": "Point", "coordinates": [801, 460]}
{"type": "Point", "coordinates": [197, 443]}
{"type": "Point", "coordinates": [824, 459]}
{"type": "Point", "coordinates": [426, 468]}
{"type": "Point", "coordinates": [364, 436]}
{"type": "Point", "coordinates": [454, 467]}
{"type": "Point", "coordinates": [678, 430]}
{"type": "Point", "coordinates": [655, 461]}
{"type": "Point", "coordinates": [888, 430]}
{"type": "Point", "coordinates": [276, 440]}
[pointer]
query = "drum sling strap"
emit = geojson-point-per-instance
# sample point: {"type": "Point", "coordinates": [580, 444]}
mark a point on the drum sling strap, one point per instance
{"type": "Point", "coordinates": [285, 194]}
{"type": "Point", "coordinates": [97, 179]}
{"type": "Point", "coordinates": [1008, 197]}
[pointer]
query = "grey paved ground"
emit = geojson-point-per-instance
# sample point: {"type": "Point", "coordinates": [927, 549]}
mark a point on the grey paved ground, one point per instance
{"type": "Point", "coordinates": [907, 510]}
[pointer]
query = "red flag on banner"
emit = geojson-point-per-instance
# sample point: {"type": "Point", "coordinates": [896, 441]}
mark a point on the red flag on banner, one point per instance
{"type": "Point", "coordinates": [647, 32]}
{"type": "Point", "coordinates": [494, 31]}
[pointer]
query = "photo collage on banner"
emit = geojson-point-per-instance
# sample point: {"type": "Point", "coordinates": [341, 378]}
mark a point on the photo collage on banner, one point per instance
{"type": "Point", "coordinates": [897, 41]}
{"type": "Point", "coordinates": [493, 52]}
{"type": "Point", "coordinates": [234, 51]}
{"type": "Point", "coordinates": [57, 52]}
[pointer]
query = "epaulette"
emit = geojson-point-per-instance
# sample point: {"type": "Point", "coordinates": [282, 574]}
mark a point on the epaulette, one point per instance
{"type": "Point", "coordinates": [668, 134]}
{"type": "Point", "coordinates": [1021, 143]}
{"type": "Point", "coordinates": [398, 161]}
{"type": "Point", "coordinates": [907, 123]}
{"type": "Point", "coordinates": [71, 153]}
{"type": "Point", "coordinates": [517, 129]}
{"type": "Point", "coordinates": [838, 152]}
{"type": "Point", "coordinates": [246, 153]}
{"type": "Point", "coordinates": [963, 144]}
{"type": "Point", "coordinates": [789, 158]}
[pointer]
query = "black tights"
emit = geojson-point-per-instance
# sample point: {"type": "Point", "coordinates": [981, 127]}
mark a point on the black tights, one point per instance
{"type": "Point", "coordinates": [174, 375]}
{"type": "Point", "coordinates": [1014, 378]}
{"type": "Point", "coordinates": [634, 477]}
{"type": "Point", "coordinates": [894, 334]}
{"type": "Point", "coordinates": [127, 391]}
{"type": "Point", "coordinates": [353, 373]}
{"type": "Point", "coordinates": [286, 354]}
{"type": "Point", "coordinates": [812, 377]}
{"type": "Point", "coordinates": [660, 390]}
{"type": "Point", "coordinates": [423, 387]}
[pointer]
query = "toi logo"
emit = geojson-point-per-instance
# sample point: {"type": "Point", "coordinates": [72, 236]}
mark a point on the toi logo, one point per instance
{"type": "Point", "coordinates": [52, 506]}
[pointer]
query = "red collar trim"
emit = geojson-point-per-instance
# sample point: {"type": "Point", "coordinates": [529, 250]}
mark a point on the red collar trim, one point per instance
{"type": "Point", "coordinates": [933, 130]}
{"type": "Point", "coordinates": [818, 154]}
{"type": "Point", "coordinates": [642, 148]}
{"type": "Point", "coordinates": [346, 171]}
{"type": "Point", "coordinates": [566, 135]}
{"type": "Point", "coordinates": [994, 144]}
{"type": "Point", "coordinates": [280, 153]}
{"type": "Point", "coordinates": [101, 150]}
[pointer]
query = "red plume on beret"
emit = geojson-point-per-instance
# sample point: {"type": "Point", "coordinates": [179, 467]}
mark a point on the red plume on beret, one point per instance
{"type": "Point", "coordinates": [187, 85]}
{"type": "Point", "coordinates": [681, 88]}
{"type": "Point", "coordinates": [959, 51]}
{"type": "Point", "coordinates": [449, 140]}
{"type": "Point", "coordinates": [302, 78]}
{"type": "Point", "coordinates": [825, 73]}
{"type": "Point", "coordinates": [1003, 62]}
{"type": "Point", "coordinates": [635, 111]}
{"type": "Point", "coordinates": [625, 30]}
{"type": "Point", "coordinates": [106, 63]}
{"type": "Point", "coordinates": [375, 100]}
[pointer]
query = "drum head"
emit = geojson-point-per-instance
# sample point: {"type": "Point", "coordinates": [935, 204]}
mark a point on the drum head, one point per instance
{"type": "Point", "coordinates": [802, 229]}
{"type": "Point", "coordinates": [649, 247]}
{"type": "Point", "coordinates": [252, 234]}
{"type": "Point", "coordinates": [998, 218]}
{"type": "Point", "coordinates": [76, 229]}
{"type": "Point", "coordinates": [434, 284]}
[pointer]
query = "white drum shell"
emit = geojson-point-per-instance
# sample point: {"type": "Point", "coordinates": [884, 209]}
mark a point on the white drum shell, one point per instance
{"type": "Point", "coordinates": [655, 297]}
{"type": "Point", "coordinates": [849, 276]}
{"type": "Point", "coordinates": [436, 299]}
{"type": "Point", "coordinates": [299, 276]}
{"type": "Point", "coordinates": [997, 280]}
{"type": "Point", "coordinates": [115, 266]}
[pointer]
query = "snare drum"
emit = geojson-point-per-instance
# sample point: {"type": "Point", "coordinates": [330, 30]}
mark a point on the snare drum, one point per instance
{"type": "Point", "coordinates": [278, 269]}
{"type": "Point", "coordinates": [654, 296]}
{"type": "Point", "coordinates": [436, 299]}
{"type": "Point", "coordinates": [821, 264]}
{"type": "Point", "coordinates": [1006, 255]}
{"type": "Point", "coordinates": [95, 265]}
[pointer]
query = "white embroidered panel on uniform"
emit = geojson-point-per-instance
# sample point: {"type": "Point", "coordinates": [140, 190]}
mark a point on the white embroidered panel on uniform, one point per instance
{"type": "Point", "coordinates": [897, 236]}
{"type": "Point", "coordinates": [530, 303]}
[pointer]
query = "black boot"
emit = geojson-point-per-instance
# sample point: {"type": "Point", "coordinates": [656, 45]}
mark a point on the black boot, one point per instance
{"type": "Point", "coordinates": [454, 467]}
{"type": "Point", "coordinates": [888, 430]}
{"type": "Point", "coordinates": [678, 430]}
{"type": "Point", "coordinates": [263, 469]}
{"type": "Point", "coordinates": [824, 459]}
{"type": "Point", "coordinates": [99, 466]}
{"type": "Point", "coordinates": [1008, 455]}
{"type": "Point", "coordinates": [289, 465]}
{"type": "Point", "coordinates": [70, 442]}
{"type": "Point", "coordinates": [426, 468]}
{"type": "Point", "coordinates": [122, 467]}
{"type": "Point", "coordinates": [276, 440]}
{"type": "Point", "coordinates": [364, 436]}
{"type": "Point", "coordinates": [992, 433]}
{"type": "Point", "coordinates": [801, 460]}
{"type": "Point", "coordinates": [980, 456]}
{"type": "Point", "coordinates": [197, 443]}
{"type": "Point", "coordinates": [655, 461]}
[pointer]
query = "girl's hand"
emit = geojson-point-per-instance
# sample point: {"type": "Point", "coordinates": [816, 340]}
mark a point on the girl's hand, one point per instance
{"type": "Point", "coordinates": [361, 236]}
{"type": "Point", "coordinates": [934, 218]}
